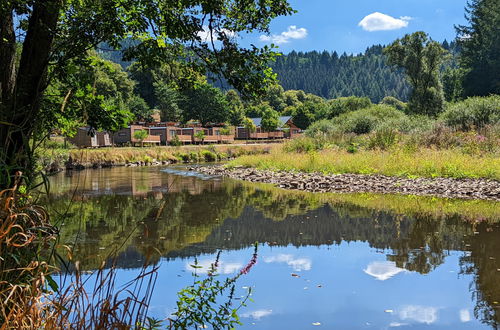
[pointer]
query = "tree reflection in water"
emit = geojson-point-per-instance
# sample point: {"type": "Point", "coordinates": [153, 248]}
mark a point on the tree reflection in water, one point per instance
{"type": "Point", "coordinates": [182, 217]}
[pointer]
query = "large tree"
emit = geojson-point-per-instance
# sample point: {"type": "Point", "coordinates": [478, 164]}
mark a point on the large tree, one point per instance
{"type": "Point", "coordinates": [421, 58]}
{"type": "Point", "coordinates": [55, 33]}
{"type": "Point", "coordinates": [204, 103]}
{"type": "Point", "coordinates": [480, 48]}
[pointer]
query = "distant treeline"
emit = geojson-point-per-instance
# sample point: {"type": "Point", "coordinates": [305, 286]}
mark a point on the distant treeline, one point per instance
{"type": "Point", "coordinates": [330, 75]}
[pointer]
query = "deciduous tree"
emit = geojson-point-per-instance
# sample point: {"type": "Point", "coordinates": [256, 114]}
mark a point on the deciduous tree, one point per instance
{"type": "Point", "coordinates": [421, 59]}
{"type": "Point", "coordinates": [55, 33]}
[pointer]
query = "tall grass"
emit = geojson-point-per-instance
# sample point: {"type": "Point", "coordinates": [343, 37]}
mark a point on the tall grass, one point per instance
{"type": "Point", "coordinates": [24, 233]}
{"type": "Point", "coordinates": [421, 163]}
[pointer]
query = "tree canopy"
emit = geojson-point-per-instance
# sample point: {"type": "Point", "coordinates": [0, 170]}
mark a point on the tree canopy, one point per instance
{"type": "Point", "coordinates": [56, 35]}
{"type": "Point", "coordinates": [421, 59]}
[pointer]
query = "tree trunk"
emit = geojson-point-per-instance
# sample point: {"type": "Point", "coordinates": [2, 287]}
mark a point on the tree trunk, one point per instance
{"type": "Point", "coordinates": [21, 95]}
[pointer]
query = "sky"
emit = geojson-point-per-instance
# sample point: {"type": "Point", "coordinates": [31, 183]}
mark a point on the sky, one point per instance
{"type": "Point", "coordinates": [353, 25]}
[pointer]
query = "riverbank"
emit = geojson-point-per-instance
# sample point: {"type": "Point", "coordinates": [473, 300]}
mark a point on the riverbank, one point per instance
{"type": "Point", "coordinates": [424, 163]}
{"type": "Point", "coordinates": [486, 189]}
{"type": "Point", "coordinates": [58, 159]}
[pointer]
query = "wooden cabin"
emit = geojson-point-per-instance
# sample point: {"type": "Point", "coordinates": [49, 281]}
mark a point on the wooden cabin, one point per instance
{"type": "Point", "coordinates": [84, 138]}
{"type": "Point", "coordinates": [126, 135]}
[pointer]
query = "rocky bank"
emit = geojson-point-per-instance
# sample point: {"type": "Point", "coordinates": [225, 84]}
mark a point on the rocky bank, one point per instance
{"type": "Point", "coordinates": [351, 183]}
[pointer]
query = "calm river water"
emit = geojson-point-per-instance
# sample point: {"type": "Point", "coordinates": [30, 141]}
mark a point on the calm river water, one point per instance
{"type": "Point", "coordinates": [324, 261]}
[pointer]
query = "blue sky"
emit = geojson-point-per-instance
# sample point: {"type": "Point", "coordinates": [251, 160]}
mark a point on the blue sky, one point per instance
{"type": "Point", "coordinates": [335, 24]}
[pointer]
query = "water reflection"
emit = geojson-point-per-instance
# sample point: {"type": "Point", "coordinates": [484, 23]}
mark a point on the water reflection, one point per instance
{"type": "Point", "coordinates": [137, 212]}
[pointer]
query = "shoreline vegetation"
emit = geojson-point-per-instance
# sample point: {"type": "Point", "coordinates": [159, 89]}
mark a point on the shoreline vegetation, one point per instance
{"type": "Point", "coordinates": [54, 160]}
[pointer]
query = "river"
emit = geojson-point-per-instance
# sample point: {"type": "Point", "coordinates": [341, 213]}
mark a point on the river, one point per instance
{"type": "Point", "coordinates": [324, 261]}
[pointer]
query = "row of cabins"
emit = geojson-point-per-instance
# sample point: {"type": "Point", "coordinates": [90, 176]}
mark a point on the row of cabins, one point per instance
{"type": "Point", "coordinates": [165, 133]}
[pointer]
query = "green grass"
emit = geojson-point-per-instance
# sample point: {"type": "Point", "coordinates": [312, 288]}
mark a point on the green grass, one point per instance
{"type": "Point", "coordinates": [421, 163]}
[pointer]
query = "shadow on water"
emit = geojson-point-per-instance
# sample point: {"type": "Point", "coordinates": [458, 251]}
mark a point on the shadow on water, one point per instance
{"type": "Point", "coordinates": [182, 214]}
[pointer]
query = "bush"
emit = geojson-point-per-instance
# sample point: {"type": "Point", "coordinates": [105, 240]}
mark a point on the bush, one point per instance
{"type": "Point", "coordinates": [176, 142]}
{"type": "Point", "coordinates": [394, 102]}
{"type": "Point", "coordinates": [409, 124]}
{"type": "Point", "coordinates": [474, 112]}
{"type": "Point", "coordinates": [347, 104]}
{"type": "Point", "coordinates": [184, 157]}
{"type": "Point", "coordinates": [194, 156]}
{"type": "Point", "coordinates": [303, 144]}
{"type": "Point", "coordinates": [366, 120]}
{"type": "Point", "coordinates": [383, 138]}
{"type": "Point", "coordinates": [208, 155]}
{"type": "Point", "coordinates": [322, 127]}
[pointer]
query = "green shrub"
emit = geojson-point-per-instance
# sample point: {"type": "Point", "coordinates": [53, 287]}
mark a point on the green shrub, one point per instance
{"type": "Point", "coordinates": [208, 155]}
{"type": "Point", "coordinates": [366, 120]}
{"type": "Point", "coordinates": [352, 148]}
{"type": "Point", "coordinates": [408, 124]}
{"type": "Point", "coordinates": [322, 127]}
{"type": "Point", "coordinates": [184, 157]}
{"type": "Point", "coordinates": [222, 156]}
{"type": "Point", "coordinates": [194, 156]}
{"type": "Point", "coordinates": [347, 104]}
{"type": "Point", "coordinates": [474, 112]}
{"type": "Point", "coordinates": [303, 144]}
{"type": "Point", "coordinates": [176, 142]}
{"type": "Point", "coordinates": [383, 138]}
{"type": "Point", "coordinates": [394, 102]}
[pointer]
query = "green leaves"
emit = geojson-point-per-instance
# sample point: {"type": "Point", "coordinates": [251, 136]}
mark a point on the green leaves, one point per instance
{"type": "Point", "coordinates": [421, 59]}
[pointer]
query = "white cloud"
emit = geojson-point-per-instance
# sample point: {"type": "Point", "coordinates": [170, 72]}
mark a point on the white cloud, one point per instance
{"type": "Point", "coordinates": [382, 22]}
{"type": "Point", "coordinates": [421, 314]}
{"type": "Point", "coordinates": [224, 268]}
{"type": "Point", "coordinates": [258, 314]}
{"type": "Point", "coordinates": [206, 36]}
{"type": "Point", "coordinates": [397, 324]}
{"type": "Point", "coordinates": [382, 270]}
{"type": "Point", "coordinates": [465, 315]}
{"type": "Point", "coordinates": [297, 264]}
{"type": "Point", "coordinates": [284, 37]}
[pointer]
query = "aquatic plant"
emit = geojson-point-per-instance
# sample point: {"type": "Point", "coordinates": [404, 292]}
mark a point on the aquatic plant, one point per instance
{"type": "Point", "coordinates": [199, 304]}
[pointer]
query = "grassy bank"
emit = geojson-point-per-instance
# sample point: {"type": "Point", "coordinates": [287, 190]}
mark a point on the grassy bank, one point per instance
{"type": "Point", "coordinates": [474, 211]}
{"type": "Point", "coordinates": [424, 162]}
{"type": "Point", "coordinates": [122, 156]}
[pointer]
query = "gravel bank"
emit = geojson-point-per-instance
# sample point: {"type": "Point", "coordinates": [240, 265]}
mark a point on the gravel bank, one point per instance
{"type": "Point", "coordinates": [349, 183]}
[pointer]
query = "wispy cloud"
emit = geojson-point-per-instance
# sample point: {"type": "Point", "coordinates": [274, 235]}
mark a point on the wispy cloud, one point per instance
{"type": "Point", "coordinates": [382, 22]}
{"type": "Point", "coordinates": [421, 314]}
{"type": "Point", "coordinates": [258, 314]}
{"type": "Point", "coordinates": [284, 37]}
{"type": "Point", "coordinates": [297, 264]}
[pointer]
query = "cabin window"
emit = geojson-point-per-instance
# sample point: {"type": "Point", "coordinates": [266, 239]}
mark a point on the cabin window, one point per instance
{"type": "Point", "coordinates": [173, 133]}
